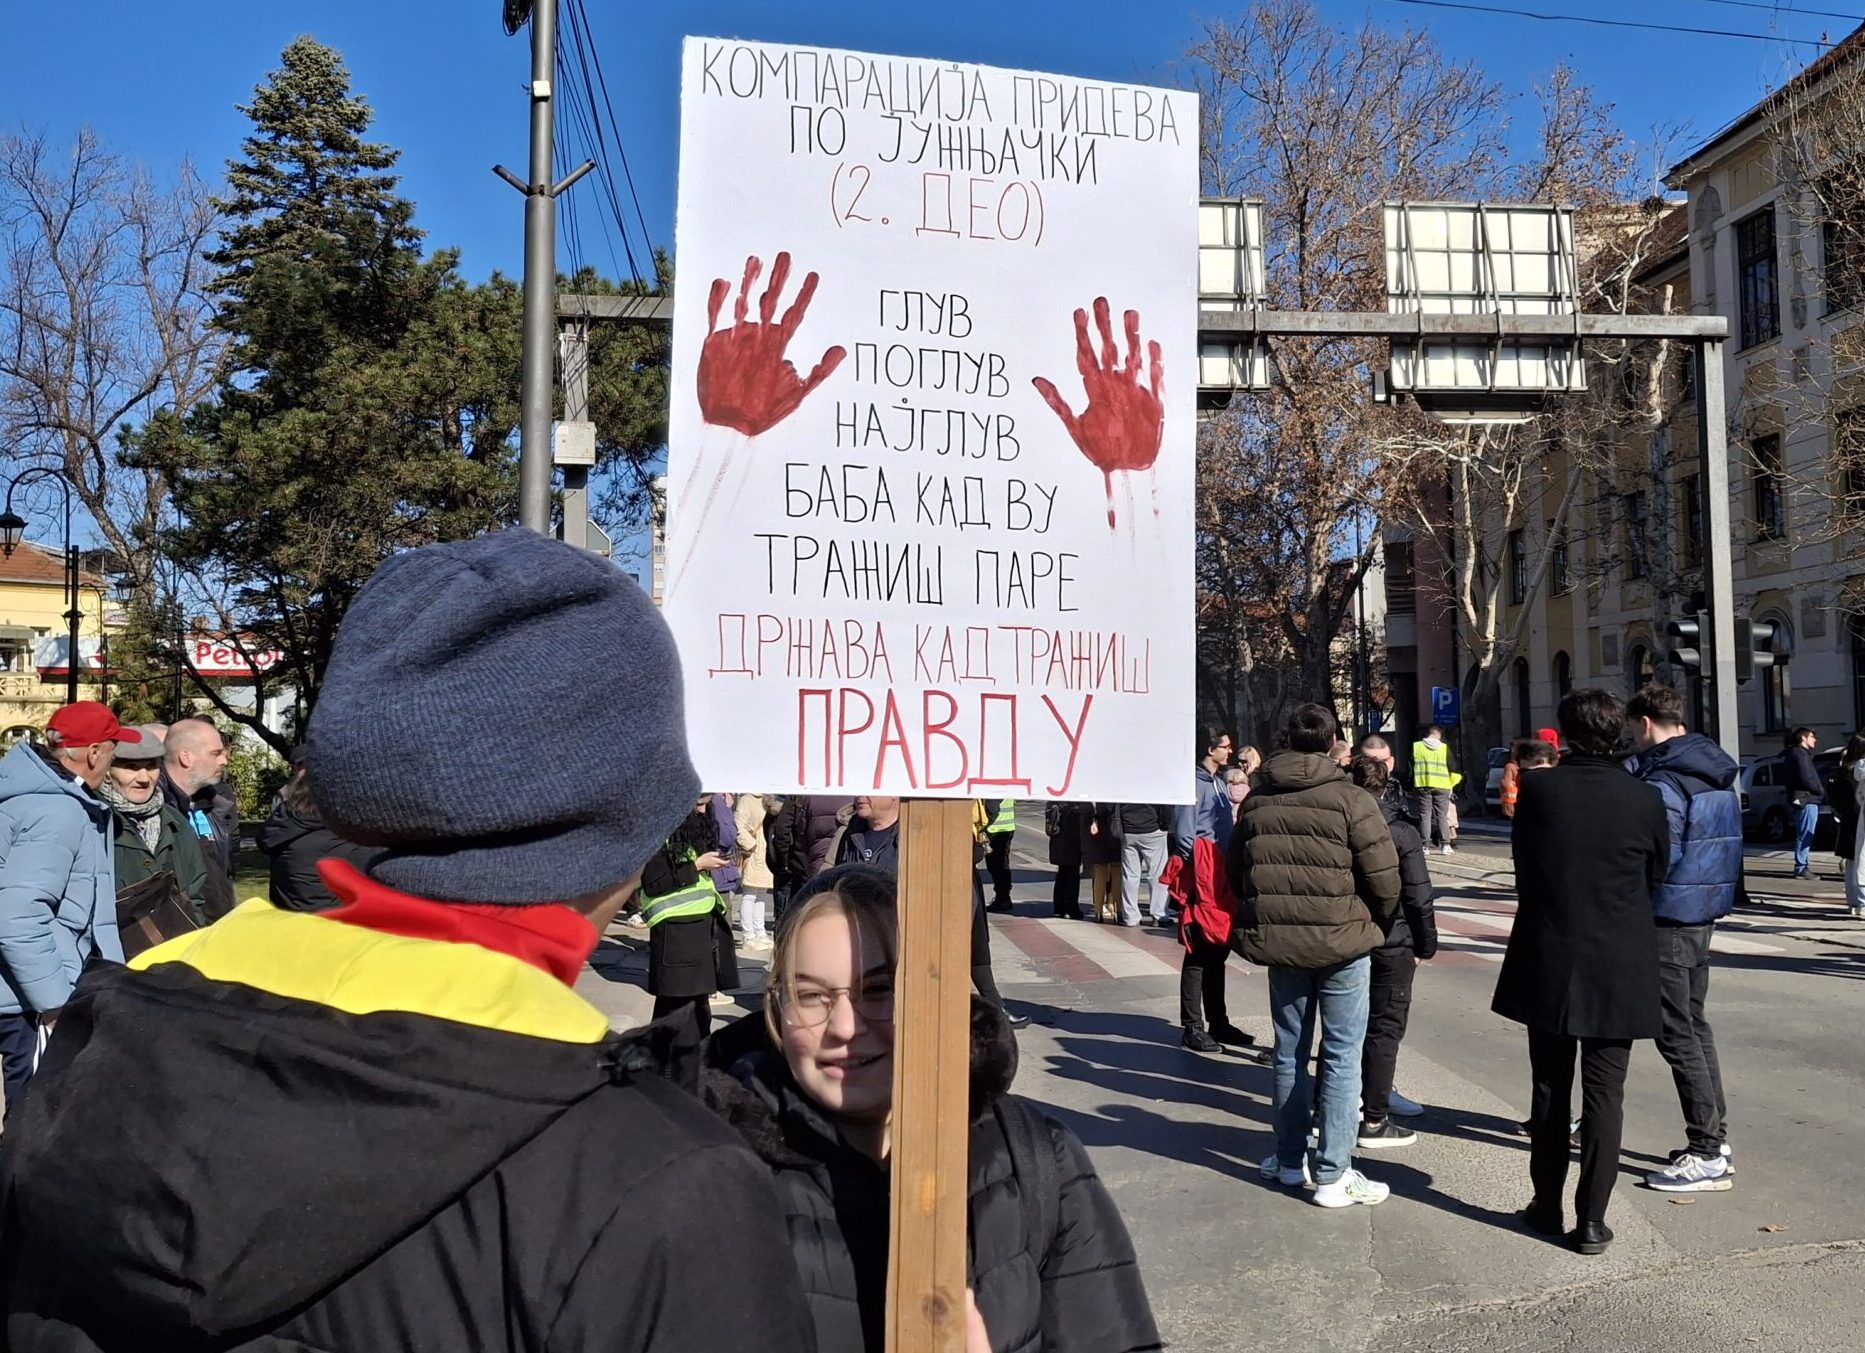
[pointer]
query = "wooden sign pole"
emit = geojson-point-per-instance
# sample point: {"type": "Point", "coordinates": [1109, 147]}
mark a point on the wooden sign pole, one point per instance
{"type": "Point", "coordinates": [932, 1079]}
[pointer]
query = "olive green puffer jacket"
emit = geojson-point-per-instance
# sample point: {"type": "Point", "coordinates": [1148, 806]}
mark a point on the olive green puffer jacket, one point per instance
{"type": "Point", "coordinates": [1313, 865]}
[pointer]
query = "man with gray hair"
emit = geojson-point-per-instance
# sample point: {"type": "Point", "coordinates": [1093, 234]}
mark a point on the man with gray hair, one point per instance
{"type": "Point", "coordinates": [194, 765]}
{"type": "Point", "coordinates": [58, 886]}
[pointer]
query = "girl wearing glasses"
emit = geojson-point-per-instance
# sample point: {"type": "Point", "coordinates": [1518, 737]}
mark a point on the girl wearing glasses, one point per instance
{"type": "Point", "coordinates": [810, 1087]}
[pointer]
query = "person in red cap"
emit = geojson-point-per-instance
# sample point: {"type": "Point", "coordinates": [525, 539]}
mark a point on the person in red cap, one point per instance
{"type": "Point", "coordinates": [57, 877]}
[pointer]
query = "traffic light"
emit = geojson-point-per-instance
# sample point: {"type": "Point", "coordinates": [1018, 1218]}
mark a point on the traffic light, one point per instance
{"type": "Point", "coordinates": [1754, 647]}
{"type": "Point", "coordinates": [1688, 641]}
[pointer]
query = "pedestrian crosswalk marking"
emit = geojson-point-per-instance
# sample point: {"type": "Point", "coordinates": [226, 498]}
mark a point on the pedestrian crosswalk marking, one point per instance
{"type": "Point", "coordinates": [1111, 951]}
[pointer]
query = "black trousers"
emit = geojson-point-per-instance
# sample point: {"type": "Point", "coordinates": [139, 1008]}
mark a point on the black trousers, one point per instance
{"type": "Point", "coordinates": [1201, 984]}
{"type": "Point", "coordinates": [981, 975]}
{"type": "Point", "coordinates": [997, 860]}
{"type": "Point", "coordinates": [1603, 1063]}
{"type": "Point", "coordinates": [1388, 1009]}
{"type": "Point", "coordinates": [1066, 899]}
{"type": "Point", "coordinates": [19, 1048]}
{"type": "Point", "coordinates": [1685, 1039]}
{"type": "Point", "coordinates": [691, 1017]}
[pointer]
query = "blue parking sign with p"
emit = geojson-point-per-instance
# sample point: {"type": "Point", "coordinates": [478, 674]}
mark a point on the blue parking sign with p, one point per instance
{"type": "Point", "coordinates": [1446, 705]}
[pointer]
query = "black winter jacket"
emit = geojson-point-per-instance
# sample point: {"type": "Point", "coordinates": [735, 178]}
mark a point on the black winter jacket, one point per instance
{"type": "Point", "coordinates": [227, 1162]}
{"type": "Point", "coordinates": [1803, 777]}
{"type": "Point", "coordinates": [814, 820]}
{"type": "Point", "coordinates": [1416, 925]}
{"type": "Point", "coordinates": [1075, 1290]}
{"type": "Point", "coordinates": [216, 804]}
{"type": "Point", "coordinates": [1591, 844]}
{"type": "Point", "coordinates": [294, 844]}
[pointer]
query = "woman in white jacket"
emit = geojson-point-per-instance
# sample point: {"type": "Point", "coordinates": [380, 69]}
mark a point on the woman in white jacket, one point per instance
{"type": "Point", "coordinates": [753, 813]}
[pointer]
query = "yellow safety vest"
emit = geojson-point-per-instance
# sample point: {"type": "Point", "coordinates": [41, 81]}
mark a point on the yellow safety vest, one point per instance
{"type": "Point", "coordinates": [1431, 766]}
{"type": "Point", "coordinates": [1006, 819]}
{"type": "Point", "coordinates": [700, 899]}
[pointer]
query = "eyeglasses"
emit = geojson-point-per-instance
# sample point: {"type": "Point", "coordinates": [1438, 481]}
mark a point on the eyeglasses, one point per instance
{"type": "Point", "coordinates": [809, 1007]}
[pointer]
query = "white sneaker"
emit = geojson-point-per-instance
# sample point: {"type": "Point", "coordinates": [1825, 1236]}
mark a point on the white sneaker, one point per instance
{"type": "Point", "coordinates": [1352, 1187]}
{"type": "Point", "coordinates": [722, 998]}
{"type": "Point", "coordinates": [1692, 1174]}
{"type": "Point", "coordinates": [1450, 850]}
{"type": "Point", "coordinates": [1400, 1107]}
{"type": "Point", "coordinates": [1271, 1168]}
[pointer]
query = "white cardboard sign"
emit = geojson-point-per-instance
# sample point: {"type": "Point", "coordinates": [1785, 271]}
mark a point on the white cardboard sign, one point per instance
{"type": "Point", "coordinates": [931, 448]}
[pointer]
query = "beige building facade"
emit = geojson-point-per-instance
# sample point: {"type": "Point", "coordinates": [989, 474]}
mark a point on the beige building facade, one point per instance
{"type": "Point", "coordinates": [1745, 247]}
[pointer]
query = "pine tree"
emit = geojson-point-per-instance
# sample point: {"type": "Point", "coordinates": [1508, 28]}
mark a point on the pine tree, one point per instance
{"type": "Point", "coordinates": [372, 395]}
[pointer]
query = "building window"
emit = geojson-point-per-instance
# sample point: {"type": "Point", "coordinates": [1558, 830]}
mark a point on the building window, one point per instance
{"type": "Point", "coordinates": [1756, 278]}
{"type": "Point", "coordinates": [1518, 568]}
{"type": "Point", "coordinates": [1401, 579]}
{"type": "Point", "coordinates": [1772, 681]}
{"type": "Point", "coordinates": [1641, 668]}
{"type": "Point", "coordinates": [1843, 246]}
{"type": "Point", "coordinates": [1523, 699]}
{"type": "Point", "coordinates": [1559, 569]}
{"type": "Point", "coordinates": [1563, 675]}
{"type": "Point", "coordinates": [1770, 469]}
{"type": "Point", "coordinates": [1687, 375]}
{"type": "Point", "coordinates": [1637, 553]}
{"type": "Point", "coordinates": [1692, 533]}
{"type": "Point", "coordinates": [1849, 464]}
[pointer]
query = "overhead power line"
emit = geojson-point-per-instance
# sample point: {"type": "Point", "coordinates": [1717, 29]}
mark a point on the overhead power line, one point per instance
{"type": "Point", "coordinates": [1614, 23]}
{"type": "Point", "coordinates": [1779, 11]}
{"type": "Point", "coordinates": [587, 118]}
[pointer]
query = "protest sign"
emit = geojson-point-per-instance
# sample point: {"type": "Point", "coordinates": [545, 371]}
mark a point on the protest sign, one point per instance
{"type": "Point", "coordinates": [932, 421]}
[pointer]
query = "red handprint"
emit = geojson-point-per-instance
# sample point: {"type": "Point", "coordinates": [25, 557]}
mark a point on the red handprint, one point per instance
{"type": "Point", "coordinates": [745, 382]}
{"type": "Point", "coordinates": [1122, 426]}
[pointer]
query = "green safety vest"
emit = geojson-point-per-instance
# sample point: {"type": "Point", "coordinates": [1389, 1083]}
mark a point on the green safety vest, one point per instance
{"type": "Point", "coordinates": [700, 899]}
{"type": "Point", "coordinates": [1431, 766]}
{"type": "Point", "coordinates": [1006, 819]}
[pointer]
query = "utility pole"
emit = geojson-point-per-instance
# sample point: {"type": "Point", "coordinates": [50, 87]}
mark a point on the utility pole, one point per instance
{"type": "Point", "coordinates": [540, 323]}
{"type": "Point", "coordinates": [575, 354]}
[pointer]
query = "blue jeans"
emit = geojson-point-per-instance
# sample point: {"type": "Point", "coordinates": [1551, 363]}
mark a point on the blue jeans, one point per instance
{"type": "Point", "coordinates": [1807, 817]}
{"type": "Point", "coordinates": [1339, 995]}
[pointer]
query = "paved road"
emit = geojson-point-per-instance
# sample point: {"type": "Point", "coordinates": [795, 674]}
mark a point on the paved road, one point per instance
{"type": "Point", "coordinates": [1236, 1264]}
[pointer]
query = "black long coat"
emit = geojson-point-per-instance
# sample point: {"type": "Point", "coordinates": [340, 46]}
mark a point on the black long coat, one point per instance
{"type": "Point", "coordinates": [1590, 844]}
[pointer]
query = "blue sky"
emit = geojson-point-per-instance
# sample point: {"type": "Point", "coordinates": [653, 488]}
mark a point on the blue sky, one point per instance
{"type": "Point", "coordinates": [160, 81]}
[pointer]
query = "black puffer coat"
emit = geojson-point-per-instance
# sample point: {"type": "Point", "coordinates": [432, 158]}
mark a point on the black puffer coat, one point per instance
{"type": "Point", "coordinates": [1416, 925]}
{"type": "Point", "coordinates": [294, 844]}
{"type": "Point", "coordinates": [1076, 1289]}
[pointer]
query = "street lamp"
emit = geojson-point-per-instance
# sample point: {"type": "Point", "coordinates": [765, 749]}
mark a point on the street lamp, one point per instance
{"type": "Point", "coordinates": [13, 528]}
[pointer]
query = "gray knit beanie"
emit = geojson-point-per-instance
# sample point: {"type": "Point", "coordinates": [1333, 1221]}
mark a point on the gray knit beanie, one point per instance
{"type": "Point", "coordinates": [505, 715]}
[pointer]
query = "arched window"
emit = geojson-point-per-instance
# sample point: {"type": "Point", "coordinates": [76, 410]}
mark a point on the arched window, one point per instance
{"type": "Point", "coordinates": [1771, 682]}
{"type": "Point", "coordinates": [1563, 675]}
{"type": "Point", "coordinates": [1641, 668]}
{"type": "Point", "coordinates": [1523, 713]}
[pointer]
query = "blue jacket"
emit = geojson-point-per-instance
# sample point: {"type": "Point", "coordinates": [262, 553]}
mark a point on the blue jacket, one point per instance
{"type": "Point", "coordinates": [58, 883]}
{"type": "Point", "coordinates": [1209, 816]}
{"type": "Point", "coordinates": [1697, 781]}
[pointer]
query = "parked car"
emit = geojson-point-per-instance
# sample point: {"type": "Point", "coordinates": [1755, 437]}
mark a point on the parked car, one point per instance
{"type": "Point", "coordinates": [1767, 815]}
{"type": "Point", "coordinates": [1492, 786]}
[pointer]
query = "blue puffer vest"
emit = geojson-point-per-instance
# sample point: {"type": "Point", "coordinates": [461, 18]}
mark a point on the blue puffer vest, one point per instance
{"type": "Point", "coordinates": [1697, 779]}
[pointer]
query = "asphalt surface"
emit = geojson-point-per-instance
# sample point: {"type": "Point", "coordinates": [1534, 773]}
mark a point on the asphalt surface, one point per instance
{"type": "Point", "coordinates": [1234, 1263]}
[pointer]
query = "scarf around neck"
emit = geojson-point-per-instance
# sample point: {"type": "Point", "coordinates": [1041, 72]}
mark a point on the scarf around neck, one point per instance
{"type": "Point", "coordinates": [146, 817]}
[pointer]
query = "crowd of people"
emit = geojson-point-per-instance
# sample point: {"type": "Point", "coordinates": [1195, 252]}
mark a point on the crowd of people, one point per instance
{"type": "Point", "coordinates": [371, 1112]}
{"type": "Point", "coordinates": [394, 1027]}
